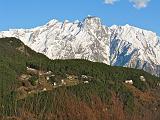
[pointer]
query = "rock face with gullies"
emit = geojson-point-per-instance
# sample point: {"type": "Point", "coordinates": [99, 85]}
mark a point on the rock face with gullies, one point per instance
{"type": "Point", "coordinates": [126, 46]}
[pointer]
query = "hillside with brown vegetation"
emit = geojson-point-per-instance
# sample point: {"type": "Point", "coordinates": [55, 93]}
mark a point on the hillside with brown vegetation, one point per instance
{"type": "Point", "coordinates": [32, 87]}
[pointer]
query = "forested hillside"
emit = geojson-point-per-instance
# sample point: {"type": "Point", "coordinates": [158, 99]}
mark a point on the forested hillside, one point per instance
{"type": "Point", "coordinates": [33, 87]}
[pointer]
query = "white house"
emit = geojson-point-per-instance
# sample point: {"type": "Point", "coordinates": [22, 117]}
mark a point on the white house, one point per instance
{"type": "Point", "coordinates": [44, 89]}
{"type": "Point", "coordinates": [54, 84]}
{"type": "Point", "coordinates": [142, 79]}
{"type": "Point", "coordinates": [84, 76]}
{"type": "Point", "coordinates": [47, 78]}
{"type": "Point", "coordinates": [129, 82]}
{"type": "Point", "coordinates": [63, 82]}
{"type": "Point", "coordinates": [52, 75]}
{"type": "Point", "coordinates": [86, 82]}
{"type": "Point", "coordinates": [158, 84]}
{"type": "Point", "coordinates": [49, 72]}
{"type": "Point", "coordinates": [31, 69]}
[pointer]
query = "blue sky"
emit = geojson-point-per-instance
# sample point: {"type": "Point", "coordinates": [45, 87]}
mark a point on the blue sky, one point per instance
{"type": "Point", "coordinates": [32, 13]}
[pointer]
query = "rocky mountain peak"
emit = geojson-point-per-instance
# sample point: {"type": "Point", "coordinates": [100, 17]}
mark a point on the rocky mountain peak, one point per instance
{"type": "Point", "coordinates": [52, 22]}
{"type": "Point", "coordinates": [127, 45]}
{"type": "Point", "coordinates": [92, 22]}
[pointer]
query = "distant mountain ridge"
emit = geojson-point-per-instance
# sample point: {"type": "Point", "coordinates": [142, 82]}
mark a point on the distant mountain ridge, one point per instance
{"type": "Point", "coordinates": [126, 46]}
